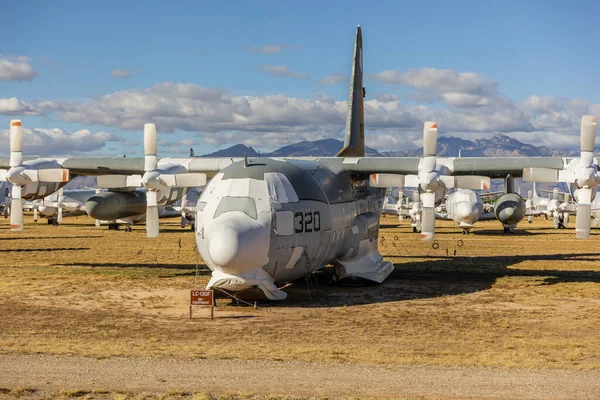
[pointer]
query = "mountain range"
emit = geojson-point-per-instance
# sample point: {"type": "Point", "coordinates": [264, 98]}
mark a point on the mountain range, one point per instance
{"type": "Point", "coordinates": [498, 146]}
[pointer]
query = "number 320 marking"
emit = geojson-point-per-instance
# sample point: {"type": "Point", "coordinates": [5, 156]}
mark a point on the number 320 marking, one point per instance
{"type": "Point", "coordinates": [309, 221]}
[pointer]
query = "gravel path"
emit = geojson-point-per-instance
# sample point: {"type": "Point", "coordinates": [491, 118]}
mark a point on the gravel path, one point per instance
{"type": "Point", "coordinates": [52, 373]}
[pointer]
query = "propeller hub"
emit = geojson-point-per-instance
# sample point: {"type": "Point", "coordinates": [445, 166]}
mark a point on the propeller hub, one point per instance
{"type": "Point", "coordinates": [151, 180]}
{"type": "Point", "coordinates": [16, 176]}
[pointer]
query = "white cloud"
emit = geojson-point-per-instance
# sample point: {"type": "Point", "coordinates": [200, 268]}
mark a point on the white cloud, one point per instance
{"type": "Point", "coordinates": [55, 142]}
{"type": "Point", "coordinates": [470, 106]}
{"type": "Point", "coordinates": [13, 106]}
{"type": "Point", "coordinates": [332, 79]}
{"type": "Point", "coordinates": [270, 49]}
{"type": "Point", "coordinates": [124, 74]}
{"type": "Point", "coordinates": [16, 69]}
{"type": "Point", "coordinates": [439, 80]}
{"type": "Point", "coordinates": [282, 70]}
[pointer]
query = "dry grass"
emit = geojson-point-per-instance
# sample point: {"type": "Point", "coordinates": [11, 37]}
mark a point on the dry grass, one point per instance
{"type": "Point", "coordinates": [528, 300]}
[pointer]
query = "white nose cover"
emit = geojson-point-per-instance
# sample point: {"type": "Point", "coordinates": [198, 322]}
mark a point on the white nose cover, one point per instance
{"type": "Point", "coordinates": [237, 243]}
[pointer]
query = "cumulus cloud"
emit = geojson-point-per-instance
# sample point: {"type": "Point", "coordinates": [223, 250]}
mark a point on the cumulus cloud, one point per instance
{"type": "Point", "coordinates": [16, 69]}
{"type": "Point", "coordinates": [282, 70]}
{"type": "Point", "coordinates": [332, 79]}
{"type": "Point", "coordinates": [14, 107]}
{"type": "Point", "coordinates": [124, 74]}
{"type": "Point", "coordinates": [470, 106]}
{"type": "Point", "coordinates": [56, 142]}
{"type": "Point", "coordinates": [270, 49]}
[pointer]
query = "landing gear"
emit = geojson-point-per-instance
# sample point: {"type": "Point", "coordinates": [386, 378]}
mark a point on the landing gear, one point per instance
{"type": "Point", "coordinates": [414, 229]}
{"type": "Point", "coordinates": [50, 221]}
{"type": "Point", "coordinates": [113, 227]}
{"type": "Point", "coordinates": [128, 229]}
{"type": "Point", "coordinates": [193, 227]}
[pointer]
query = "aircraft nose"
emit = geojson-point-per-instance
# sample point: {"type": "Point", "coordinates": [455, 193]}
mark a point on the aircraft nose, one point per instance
{"type": "Point", "coordinates": [224, 246]}
{"type": "Point", "coordinates": [237, 243]}
{"type": "Point", "coordinates": [467, 212]}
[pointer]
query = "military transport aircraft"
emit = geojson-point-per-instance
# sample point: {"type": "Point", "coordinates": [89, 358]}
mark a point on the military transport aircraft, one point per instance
{"type": "Point", "coordinates": [263, 221]}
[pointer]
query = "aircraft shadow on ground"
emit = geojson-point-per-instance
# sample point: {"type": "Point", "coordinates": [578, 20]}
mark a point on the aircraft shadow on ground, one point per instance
{"type": "Point", "coordinates": [425, 277]}
{"type": "Point", "coordinates": [44, 249]}
{"type": "Point", "coordinates": [52, 237]}
{"type": "Point", "coordinates": [202, 270]}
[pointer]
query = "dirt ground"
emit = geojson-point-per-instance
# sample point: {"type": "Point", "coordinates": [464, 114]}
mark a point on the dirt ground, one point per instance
{"type": "Point", "coordinates": [472, 316]}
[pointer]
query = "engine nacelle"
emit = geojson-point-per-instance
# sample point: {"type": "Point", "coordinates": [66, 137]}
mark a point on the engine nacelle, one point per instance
{"type": "Point", "coordinates": [510, 208]}
{"type": "Point", "coordinates": [39, 190]}
{"type": "Point", "coordinates": [109, 206]}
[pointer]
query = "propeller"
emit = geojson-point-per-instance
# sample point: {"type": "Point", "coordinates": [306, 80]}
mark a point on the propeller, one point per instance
{"type": "Point", "coordinates": [61, 201]}
{"type": "Point", "coordinates": [154, 179]}
{"type": "Point", "coordinates": [529, 206]}
{"type": "Point", "coordinates": [432, 180]}
{"type": "Point", "coordinates": [581, 173]}
{"type": "Point", "coordinates": [20, 175]}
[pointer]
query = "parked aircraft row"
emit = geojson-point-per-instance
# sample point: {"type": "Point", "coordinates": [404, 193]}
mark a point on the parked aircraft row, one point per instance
{"type": "Point", "coordinates": [264, 221]}
{"type": "Point", "coordinates": [77, 202]}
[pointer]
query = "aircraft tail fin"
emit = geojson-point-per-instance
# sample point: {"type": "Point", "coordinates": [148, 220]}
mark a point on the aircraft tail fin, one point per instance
{"type": "Point", "coordinates": [354, 140]}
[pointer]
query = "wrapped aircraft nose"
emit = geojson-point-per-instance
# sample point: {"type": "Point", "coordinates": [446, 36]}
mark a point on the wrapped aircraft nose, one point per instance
{"type": "Point", "coordinates": [467, 212]}
{"type": "Point", "coordinates": [236, 243]}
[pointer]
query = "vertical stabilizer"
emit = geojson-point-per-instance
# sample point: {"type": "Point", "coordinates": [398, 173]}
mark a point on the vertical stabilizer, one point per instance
{"type": "Point", "coordinates": [354, 141]}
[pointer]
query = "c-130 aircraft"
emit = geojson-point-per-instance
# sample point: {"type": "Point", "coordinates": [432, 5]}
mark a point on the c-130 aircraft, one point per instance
{"type": "Point", "coordinates": [265, 221]}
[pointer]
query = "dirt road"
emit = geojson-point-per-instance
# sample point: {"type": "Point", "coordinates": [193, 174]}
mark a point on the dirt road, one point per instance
{"type": "Point", "coordinates": [53, 373]}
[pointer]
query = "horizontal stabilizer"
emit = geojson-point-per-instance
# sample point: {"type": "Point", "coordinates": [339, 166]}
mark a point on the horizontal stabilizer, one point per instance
{"type": "Point", "coordinates": [540, 175]}
{"type": "Point", "coordinates": [386, 180]}
{"type": "Point", "coordinates": [119, 181]}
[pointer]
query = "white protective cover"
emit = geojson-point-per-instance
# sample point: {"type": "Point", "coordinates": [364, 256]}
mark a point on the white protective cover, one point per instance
{"type": "Point", "coordinates": [280, 188]}
{"type": "Point", "coordinates": [255, 277]}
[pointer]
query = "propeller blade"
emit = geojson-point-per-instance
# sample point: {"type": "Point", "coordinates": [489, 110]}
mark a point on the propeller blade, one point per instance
{"type": "Point", "coordinates": [582, 223]}
{"type": "Point", "coordinates": [530, 195]}
{"type": "Point", "coordinates": [428, 216]}
{"type": "Point", "coordinates": [588, 133]}
{"type": "Point", "coordinates": [16, 143]}
{"type": "Point", "coordinates": [191, 179]}
{"type": "Point", "coordinates": [16, 210]}
{"type": "Point", "coordinates": [118, 181]}
{"type": "Point", "coordinates": [152, 229]}
{"type": "Point", "coordinates": [540, 175]}
{"type": "Point", "coordinates": [386, 180]}
{"type": "Point", "coordinates": [555, 193]}
{"type": "Point", "coordinates": [411, 180]}
{"type": "Point", "coordinates": [150, 162]}
{"type": "Point", "coordinates": [430, 134]}
{"type": "Point", "coordinates": [555, 219]}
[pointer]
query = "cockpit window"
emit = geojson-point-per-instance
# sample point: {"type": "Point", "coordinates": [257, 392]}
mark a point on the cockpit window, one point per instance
{"type": "Point", "coordinates": [243, 204]}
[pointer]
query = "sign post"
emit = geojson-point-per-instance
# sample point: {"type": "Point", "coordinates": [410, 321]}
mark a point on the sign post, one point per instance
{"type": "Point", "coordinates": [203, 298]}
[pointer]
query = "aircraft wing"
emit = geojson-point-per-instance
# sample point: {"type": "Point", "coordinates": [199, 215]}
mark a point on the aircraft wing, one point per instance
{"type": "Point", "coordinates": [494, 167]}
{"type": "Point", "coordinates": [130, 166]}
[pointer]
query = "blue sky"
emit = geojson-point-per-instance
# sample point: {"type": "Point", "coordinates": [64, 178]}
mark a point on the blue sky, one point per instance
{"type": "Point", "coordinates": [84, 76]}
